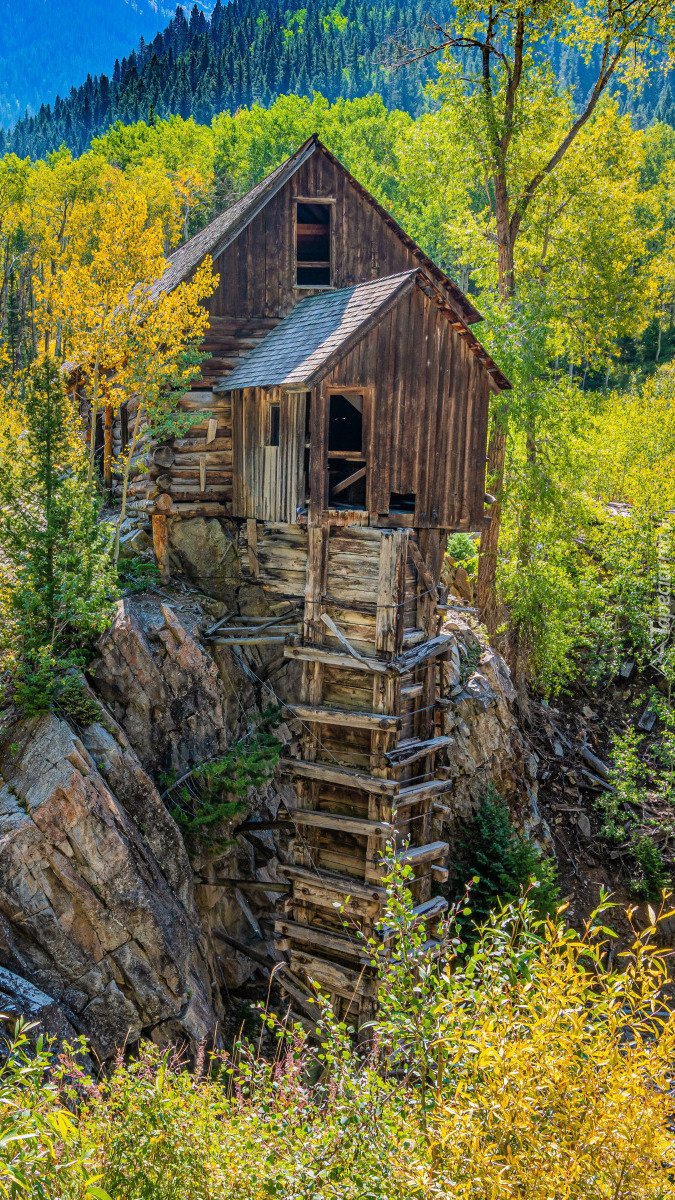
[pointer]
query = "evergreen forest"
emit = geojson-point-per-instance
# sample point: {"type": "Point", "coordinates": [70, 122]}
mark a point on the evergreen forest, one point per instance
{"type": "Point", "coordinates": [253, 51]}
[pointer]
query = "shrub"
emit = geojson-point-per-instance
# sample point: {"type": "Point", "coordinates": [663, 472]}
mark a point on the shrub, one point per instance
{"type": "Point", "coordinates": [505, 1072]}
{"type": "Point", "coordinates": [73, 698]}
{"type": "Point", "coordinates": [136, 574]}
{"type": "Point", "coordinates": [463, 549]}
{"type": "Point", "coordinates": [42, 1153]}
{"type": "Point", "coordinates": [215, 792]}
{"type": "Point", "coordinates": [652, 877]}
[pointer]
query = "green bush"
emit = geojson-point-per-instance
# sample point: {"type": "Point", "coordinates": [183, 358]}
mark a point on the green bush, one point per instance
{"type": "Point", "coordinates": [652, 876]}
{"type": "Point", "coordinates": [216, 791]}
{"type": "Point", "coordinates": [463, 549]}
{"type": "Point", "coordinates": [73, 698]}
{"type": "Point", "coordinates": [136, 574]}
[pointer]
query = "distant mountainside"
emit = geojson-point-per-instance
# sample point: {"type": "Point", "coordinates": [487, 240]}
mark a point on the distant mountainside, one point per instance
{"type": "Point", "coordinates": [249, 50]}
{"type": "Point", "coordinates": [226, 55]}
{"type": "Point", "coordinates": [47, 45]}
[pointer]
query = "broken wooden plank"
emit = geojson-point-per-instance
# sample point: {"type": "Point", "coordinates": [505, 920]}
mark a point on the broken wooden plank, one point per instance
{"type": "Point", "coordinates": [420, 750]}
{"type": "Point", "coordinates": [330, 625]}
{"type": "Point", "coordinates": [422, 654]}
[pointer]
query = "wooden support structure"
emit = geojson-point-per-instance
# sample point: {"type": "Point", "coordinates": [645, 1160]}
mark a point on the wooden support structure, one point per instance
{"type": "Point", "coordinates": [340, 426]}
{"type": "Point", "coordinates": [366, 783]}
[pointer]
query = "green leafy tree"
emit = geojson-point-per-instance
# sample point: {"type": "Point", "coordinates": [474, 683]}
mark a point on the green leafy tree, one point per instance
{"type": "Point", "coordinates": [55, 574]}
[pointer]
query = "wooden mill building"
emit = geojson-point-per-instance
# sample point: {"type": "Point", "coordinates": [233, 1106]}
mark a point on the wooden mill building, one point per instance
{"type": "Point", "coordinates": [346, 410]}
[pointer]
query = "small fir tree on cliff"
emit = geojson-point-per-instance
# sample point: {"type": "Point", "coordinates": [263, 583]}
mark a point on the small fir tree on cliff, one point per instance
{"type": "Point", "coordinates": [55, 570]}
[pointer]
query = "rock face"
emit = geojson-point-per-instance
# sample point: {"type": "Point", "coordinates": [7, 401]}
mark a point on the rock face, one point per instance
{"type": "Point", "coordinates": [205, 550]}
{"type": "Point", "coordinates": [96, 897]}
{"type": "Point", "coordinates": [107, 926]}
{"type": "Point", "coordinates": [489, 747]}
{"type": "Point", "coordinates": [162, 687]}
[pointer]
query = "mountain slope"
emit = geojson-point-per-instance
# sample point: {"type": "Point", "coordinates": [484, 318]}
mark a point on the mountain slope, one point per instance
{"type": "Point", "coordinates": [251, 50]}
{"type": "Point", "coordinates": [47, 45]}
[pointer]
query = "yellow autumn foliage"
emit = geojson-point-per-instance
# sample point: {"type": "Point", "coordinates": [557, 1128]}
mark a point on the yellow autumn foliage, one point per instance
{"type": "Point", "coordinates": [533, 1069]}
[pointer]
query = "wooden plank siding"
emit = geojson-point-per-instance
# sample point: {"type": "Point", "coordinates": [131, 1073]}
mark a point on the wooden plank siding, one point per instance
{"type": "Point", "coordinates": [257, 271]}
{"type": "Point", "coordinates": [429, 415]}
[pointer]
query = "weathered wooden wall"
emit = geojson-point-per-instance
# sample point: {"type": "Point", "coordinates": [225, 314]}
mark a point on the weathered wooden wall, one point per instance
{"type": "Point", "coordinates": [428, 428]}
{"type": "Point", "coordinates": [268, 481]}
{"type": "Point", "coordinates": [258, 271]}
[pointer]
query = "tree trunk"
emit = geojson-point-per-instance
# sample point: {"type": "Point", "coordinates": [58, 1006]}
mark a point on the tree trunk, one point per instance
{"type": "Point", "coordinates": [487, 566]}
{"type": "Point", "coordinates": [108, 450]}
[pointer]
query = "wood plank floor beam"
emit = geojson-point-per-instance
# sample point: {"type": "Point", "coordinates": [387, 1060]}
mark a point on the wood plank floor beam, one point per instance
{"type": "Point", "coordinates": [345, 716]}
{"type": "Point", "coordinates": [339, 775]}
{"type": "Point", "coordinates": [342, 823]}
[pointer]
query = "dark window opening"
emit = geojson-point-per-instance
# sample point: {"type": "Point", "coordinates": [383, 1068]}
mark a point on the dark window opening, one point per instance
{"type": "Point", "coordinates": [345, 424]}
{"type": "Point", "coordinates": [346, 459]}
{"type": "Point", "coordinates": [402, 502]}
{"type": "Point", "coordinates": [346, 484]}
{"type": "Point", "coordinates": [313, 244]}
{"type": "Point", "coordinates": [274, 421]}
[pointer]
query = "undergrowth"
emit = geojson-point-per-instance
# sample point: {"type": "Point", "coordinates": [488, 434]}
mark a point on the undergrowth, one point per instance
{"type": "Point", "coordinates": [499, 1071]}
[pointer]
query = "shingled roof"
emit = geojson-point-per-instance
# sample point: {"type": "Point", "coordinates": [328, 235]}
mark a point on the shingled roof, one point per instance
{"type": "Point", "coordinates": [321, 329]}
{"type": "Point", "coordinates": [224, 229]}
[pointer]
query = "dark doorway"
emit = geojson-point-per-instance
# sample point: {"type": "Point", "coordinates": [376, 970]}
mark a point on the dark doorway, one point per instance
{"type": "Point", "coordinates": [313, 244]}
{"type": "Point", "coordinates": [346, 458]}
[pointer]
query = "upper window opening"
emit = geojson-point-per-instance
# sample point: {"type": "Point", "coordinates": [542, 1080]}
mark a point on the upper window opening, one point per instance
{"type": "Point", "coordinates": [345, 424]}
{"type": "Point", "coordinates": [313, 244]}
{"type": "Point", "coordinates": [274, 418]}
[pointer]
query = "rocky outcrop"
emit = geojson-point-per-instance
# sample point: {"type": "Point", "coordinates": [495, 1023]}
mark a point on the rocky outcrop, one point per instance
{"type": "Point", "coordinates": [96, 897]}
{"type": "Point", "coordinates": [162, 686]}
{"type": "Point", "coordinates": [488, 745]}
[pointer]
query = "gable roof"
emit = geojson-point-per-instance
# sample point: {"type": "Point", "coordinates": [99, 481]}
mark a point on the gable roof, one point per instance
{"type": "Point", "coordinates": [321, 329]}
{"type": "Point", "coordinates": [223, 230]}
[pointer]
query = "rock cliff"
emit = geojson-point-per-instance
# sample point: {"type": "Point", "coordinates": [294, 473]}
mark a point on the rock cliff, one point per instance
{"type": "Point", "coordinates": [108, 926]}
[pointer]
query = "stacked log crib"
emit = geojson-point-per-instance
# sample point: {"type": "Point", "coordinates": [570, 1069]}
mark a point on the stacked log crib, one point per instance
{"type": "Point", "coordinates": [371, 708]}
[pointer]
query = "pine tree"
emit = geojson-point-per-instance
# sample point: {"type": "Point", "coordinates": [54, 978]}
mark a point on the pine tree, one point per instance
{"type": "Point", "coordinates": [55, 566]}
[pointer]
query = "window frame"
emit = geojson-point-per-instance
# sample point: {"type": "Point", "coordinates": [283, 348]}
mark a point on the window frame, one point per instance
{"type": "Point", "coordinates": [330, 202]}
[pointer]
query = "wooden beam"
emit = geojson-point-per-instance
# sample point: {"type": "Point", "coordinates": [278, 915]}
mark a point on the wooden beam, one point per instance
{"type": "Point", "coordinates": [421, 566]}
{"type": "Point", "coordinates": [415, 856]}
{"type": "Point", "coordinates": [341, 822]}
{"type": "Point", "coordinates": [419, 751]}
{"type": "Point", "coordinates": [312, 936]}
{"type": "Point", "coordinates": [422, 654]}
{"type": "Point", "coordinates": [345, 981]}
{"type": "Point", "coordinates": [339, 885]}
{"type": "Point", "coordinates": [333, 658]}
{"type": "Point", "coordinates": [340, 775]}
{"type": "Point", "coordinates": [421, 791]}
{"type": "Point", "coordinates": [343, 716]}
{"type": "Point", "coordinates": [160, 542]}
{"type": "Point", "coordinates": [354, 478]}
